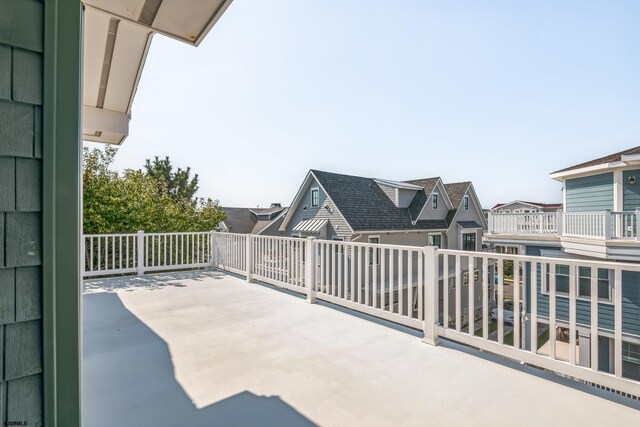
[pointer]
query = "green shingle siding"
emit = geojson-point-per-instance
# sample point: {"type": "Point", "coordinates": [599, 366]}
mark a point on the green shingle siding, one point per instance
{"type": "Point", "coordinates": [27, 77]}
{"type": "Point", "coordinates": [21, 96]}
{"type": "Point", "coordinates": [23, 349]}
{"type": "Point", "coordinates": [21, 24]}
{"type": "Point", "coordinates": [590, 193]}
{"type": "Point", "coordinates": [28, 294]}
{"type": "Point", "coordinates": [5, 72]}
{"type": "Point", "coordinates": [28, 185]}
{"type": "Point", "coordinates": [23, 240]}
{"type": "Point", "coordinates": [7, 296]}
{"type": "Point", "coordinates": [631, 193]}
{"type": "Point", "coordinates": [16, 129]}
{"type": "Point", "coordinates": [7, 184]}
{"type": "Point", "coordinates": [23, 404]}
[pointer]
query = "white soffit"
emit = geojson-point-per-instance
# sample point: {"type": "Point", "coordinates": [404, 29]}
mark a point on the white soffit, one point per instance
{"type": "Point", "coordinates": [117, 37]}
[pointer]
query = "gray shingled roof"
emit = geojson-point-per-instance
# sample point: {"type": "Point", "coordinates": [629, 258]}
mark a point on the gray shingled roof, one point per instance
{"type": "Point", "coordinates": [616, 157]}
{"type": "Point", "coordinates": [239, 220]}
{"type": "Point", "coordinates": [456, 192]}
{"type": "Point", "coordinates": [421, 197]}
{"type": "Point", "coordinates": [366, 207]}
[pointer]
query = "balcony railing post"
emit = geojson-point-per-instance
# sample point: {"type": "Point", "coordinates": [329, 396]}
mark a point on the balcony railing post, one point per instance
{"type": "Point", "coordinates": [211, 257]}
{"type": "Point", "coordinates": [141, 259]}
{"type": "Point", "coordinates": [636, 229]}
{"type": "Point", "coordinates": [431, 295]}
{"type": "Point", "coordinates": [249, 258]}
{"type": "Point", "coordinates": [310, 269]}
{"type": "Point", "coordinates": [559, 225]}
{"type": "Point", "coordinates": [607, 225]}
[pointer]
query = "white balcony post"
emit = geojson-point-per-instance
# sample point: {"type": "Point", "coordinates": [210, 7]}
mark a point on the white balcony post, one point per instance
{"type": "Point", "coordinates": [249, 258]}
{"type": "Point", "coordinates": [559, 223]}
{"type": "Point", "coordinates": [310, 269]}
{"type": "Point", "coordinates": [607, 224]}
{"type": "Point", "coordinates": [211, 258]}
{"type": "Point", "coordinates": [141, 253]}
{"type": "Point", "coordinates": [490, 218]}
{"type": "Point", "coordinates": [431, 295]}
{"type": "Point", "coordinates": [637, 227]}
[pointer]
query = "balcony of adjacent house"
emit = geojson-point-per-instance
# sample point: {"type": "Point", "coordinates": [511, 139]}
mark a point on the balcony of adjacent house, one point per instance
{"type": "Point", "coordinates": [604, 234]}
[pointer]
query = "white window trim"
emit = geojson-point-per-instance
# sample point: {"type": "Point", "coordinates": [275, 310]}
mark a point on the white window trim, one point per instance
{"type": "Point", "coordinates": [311, 201]}
{"type": "Point", "coordinates": [376, 259]}
{"type": "Point", "coordinates": [544, 287]}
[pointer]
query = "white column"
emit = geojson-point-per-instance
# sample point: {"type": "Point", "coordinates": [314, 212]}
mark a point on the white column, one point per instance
{"type": "Point", "coordinates": [249, 258]}
{"type": "Point", "coordinates": [310, 269]}
{"type": "Point", "coordinates": [559, 223]}
{"type": "Point", "coordinates": [141, 253]}
{"type": "Point", "coordinates": [431, 295]}
{"type": "Point", "coordinates": [618, 195]}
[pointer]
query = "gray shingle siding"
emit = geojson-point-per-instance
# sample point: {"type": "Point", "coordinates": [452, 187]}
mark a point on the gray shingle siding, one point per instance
{"type": "Point", "coordinates": [589, 193]}
{"type": "Point", "coordinates": [21, 81]}
{"type": "Point", "coordinates": [336, 227]}
{"type": "Point", "coordinates": [631, 193]}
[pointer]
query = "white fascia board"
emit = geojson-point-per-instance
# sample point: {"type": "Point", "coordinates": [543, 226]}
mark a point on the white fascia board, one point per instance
{"type": "Point", "coordinates": [103, 120]}
{"type": "Point", "coordinates": [586, 171]}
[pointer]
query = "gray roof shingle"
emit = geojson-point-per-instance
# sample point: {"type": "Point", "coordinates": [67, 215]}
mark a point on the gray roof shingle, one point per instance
{"type": "Point", "coordinates": [367, 208]}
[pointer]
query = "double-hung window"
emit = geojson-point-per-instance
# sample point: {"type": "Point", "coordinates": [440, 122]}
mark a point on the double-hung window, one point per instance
{"type": "Point", "coordinates": [315, 198]}
{"type": "Point", "coordinates": [563, 282]}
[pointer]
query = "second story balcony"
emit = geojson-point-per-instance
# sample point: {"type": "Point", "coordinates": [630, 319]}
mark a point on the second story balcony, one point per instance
{"type": "Point", "coordinates": [603, 225]}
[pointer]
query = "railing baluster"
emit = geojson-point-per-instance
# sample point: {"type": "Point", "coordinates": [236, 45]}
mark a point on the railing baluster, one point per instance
{"type": "Point", "coordinates": [383, 278]}
{"type": "Point", "coordinates": [501, 301]}
{"type": "Point", "coordinates": [485, 297]}
{"type": "Point", "coordinates": [617, 322]}
{"type": "Point", "coordinates": [552, 308]}
{"type": "Point", "coordinates": [594, 318]}
{"type": "Point", "coordinates": [400, 282]}
{"type": "Point", "coordinates": [573, 285]}
{"type": "Point", "coordinates": [367, 266]}
{"type": "Point", "coordinates": [458, 294]}
{"type": "Point", "coordinates": [471, 288]}
{"type": "Point", "coordinates": [421, 274]}
{"type": "Point", "coordinates": [534, 308]}
{"type": "Point", "coordinates": [445, 290]}
{"type": "Point", "coordinates": [391, 281]}
{"type": "Point", "coordinates": [517, 314]}
{"type": "Point", "coordinates": [409, 283]}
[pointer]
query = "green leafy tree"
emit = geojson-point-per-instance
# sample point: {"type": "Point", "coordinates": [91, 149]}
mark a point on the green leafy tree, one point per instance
{"type": "Point", "coordinates": [178, 184]}
{"type": "Point", "coordinates": [139, 200]}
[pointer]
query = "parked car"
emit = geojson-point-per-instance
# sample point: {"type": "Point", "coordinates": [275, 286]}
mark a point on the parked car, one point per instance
{"type": "Point", "coordinates": [507, 313]}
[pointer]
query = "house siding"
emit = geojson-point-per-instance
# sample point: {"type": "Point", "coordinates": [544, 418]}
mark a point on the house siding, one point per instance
{"type": "Point", "coordinates": [630, 301]}
{"type": "Point", "coordinates": [631, 193]}
{"type": "Point", "coordinates": [441, 213]}
{"type": "Point", "coordinates": [405, 197]}
{"type": "Point", "coordinates": [21, 81]}
{"type": "Point", "coordinates": [390, 192]}
{"type": "Point", "coordinates": [454, 235]}
{"type": "Point", "coordinates": [590, 193]}
{"type": "Point", "coordinates": [337, 225]}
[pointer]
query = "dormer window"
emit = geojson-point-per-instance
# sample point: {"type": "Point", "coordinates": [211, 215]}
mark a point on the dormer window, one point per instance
{"type": "Point", "coordinates": [465, 203]}
{"type": "Point", "coordinates": [315, 197]}
{"type": "Point", "coordinates": [434, 201]}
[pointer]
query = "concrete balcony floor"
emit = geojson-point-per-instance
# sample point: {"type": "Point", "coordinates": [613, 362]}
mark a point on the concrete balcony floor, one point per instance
{"type": "Point", "coordinates": [207, 349]}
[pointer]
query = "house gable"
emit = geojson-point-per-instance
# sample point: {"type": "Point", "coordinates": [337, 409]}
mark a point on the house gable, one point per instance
{"type": "Point", "coordinates": [443, 207]}
{"type": "Point", "coordinates": [301, 209]}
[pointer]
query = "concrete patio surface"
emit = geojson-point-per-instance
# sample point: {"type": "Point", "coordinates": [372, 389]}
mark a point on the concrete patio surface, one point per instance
{"type": "Point", "coordinates": [205, 348]}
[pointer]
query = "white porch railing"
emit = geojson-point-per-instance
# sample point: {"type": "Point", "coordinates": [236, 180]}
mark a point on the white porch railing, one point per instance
{"type": "Point", "coordinates": [603, 225]}
{"type": "Point", "coordinates": [113, 254]}
{"type": "Point", "coordinates": [407, 285]}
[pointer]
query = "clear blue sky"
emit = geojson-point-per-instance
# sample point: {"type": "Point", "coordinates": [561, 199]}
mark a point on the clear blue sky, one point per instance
{"type": "Point", "coordinates": [496, 92]}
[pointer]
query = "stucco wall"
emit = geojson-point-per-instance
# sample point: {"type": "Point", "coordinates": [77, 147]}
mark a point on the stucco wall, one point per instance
{"type": "Point", "coordinates": [21, 71]}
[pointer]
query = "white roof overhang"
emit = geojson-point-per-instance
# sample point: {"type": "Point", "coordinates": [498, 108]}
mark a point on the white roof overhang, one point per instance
{"type": "Point", "coordinates": [117, 37]}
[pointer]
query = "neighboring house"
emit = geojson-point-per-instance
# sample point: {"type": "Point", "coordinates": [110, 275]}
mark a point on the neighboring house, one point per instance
{"type": "Point", "coordinates": [251, 220]}
{"type": "Point", "coordinates": [599, 221]}
{"type": "Point", "coordinates": [415, 213]}
{"type": "Point", "coordinates": [519, 206]}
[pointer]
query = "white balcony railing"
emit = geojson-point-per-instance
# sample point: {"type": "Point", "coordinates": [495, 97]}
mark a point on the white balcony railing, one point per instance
{"type": "Point", "coordinates": [603, 225]}
{"type": "Point", "coordinates": [457, 295]}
